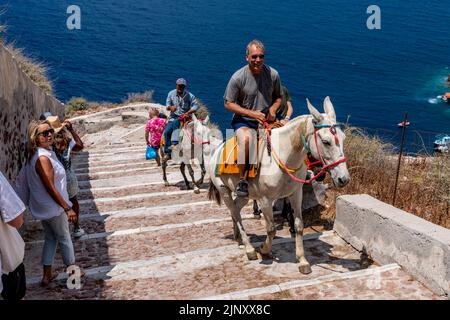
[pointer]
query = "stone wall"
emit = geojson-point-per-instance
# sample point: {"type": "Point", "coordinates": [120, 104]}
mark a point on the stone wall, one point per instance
{"type": "Point", "coordinates": [390, 235]}
{"type": "Point", "coordinates": [21, 101]}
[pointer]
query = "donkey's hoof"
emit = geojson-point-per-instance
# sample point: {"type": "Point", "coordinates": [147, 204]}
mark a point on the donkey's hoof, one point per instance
{"type": "Point", "coordinates": [196, 190]}
{"type": "Point", "coordinates": [305, 269]}
{"type": "Point", "coordinates": [251, 255]}
{"type": "Point", "coordinates": [265, 256]}
{"type": "Point", "coordinates": [166, 183]}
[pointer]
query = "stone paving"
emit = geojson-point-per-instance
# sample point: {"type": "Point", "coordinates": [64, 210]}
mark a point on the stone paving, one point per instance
{"type": "Point", "coordinates": [148, 241]}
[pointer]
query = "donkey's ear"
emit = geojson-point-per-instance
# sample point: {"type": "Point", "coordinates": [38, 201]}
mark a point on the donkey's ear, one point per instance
{"type": "Point", "coordinates": [318, 117]}
{"type": "Point", "coordinates": [329, 109]}
{"type": "Point", "coordinates": [206, 120]}
{"type": "Point", "coordinates": [194, 117]}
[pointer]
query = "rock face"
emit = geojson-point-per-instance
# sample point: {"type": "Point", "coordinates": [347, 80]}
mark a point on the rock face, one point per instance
{"type": "Point", "coordinates": [100, 121]}
{"type": "Point", "coordinates": [21, 101]}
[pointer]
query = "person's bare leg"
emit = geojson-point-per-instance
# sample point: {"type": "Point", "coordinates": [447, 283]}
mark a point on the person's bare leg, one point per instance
{"type": "Point", "coordinates": [244, 140]}
{"type": "Point", "coordinates": [158, 158]}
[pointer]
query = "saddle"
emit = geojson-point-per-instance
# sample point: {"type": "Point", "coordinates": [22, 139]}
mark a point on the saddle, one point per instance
{"type": "Point", "coordinates": [228, 156]}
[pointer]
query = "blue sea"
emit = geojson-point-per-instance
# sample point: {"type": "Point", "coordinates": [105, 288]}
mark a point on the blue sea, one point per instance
{"type": "Point", "coordinates": [319, 48]}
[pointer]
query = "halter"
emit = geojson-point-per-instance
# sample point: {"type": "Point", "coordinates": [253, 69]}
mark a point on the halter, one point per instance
{"type": "Point", "coordinates": [185, 120]}
{"type": "Point", "coordinates": [325, 167]}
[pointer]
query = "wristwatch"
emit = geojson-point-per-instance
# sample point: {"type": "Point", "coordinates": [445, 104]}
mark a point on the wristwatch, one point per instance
{"type": "Point", "coordinates": [67, 209]}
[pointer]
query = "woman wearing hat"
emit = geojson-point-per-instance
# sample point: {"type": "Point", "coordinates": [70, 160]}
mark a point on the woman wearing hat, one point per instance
{"type": "Point", "coordinates": [63, 145]}
{"type": "Point", "coordinates": [49, 200]}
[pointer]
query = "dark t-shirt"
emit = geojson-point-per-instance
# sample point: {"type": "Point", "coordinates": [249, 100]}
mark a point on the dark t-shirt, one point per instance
{"type": "Point", "coordinates": [254, 92]}
{"type": "Point", "coordinates": [285, 97]}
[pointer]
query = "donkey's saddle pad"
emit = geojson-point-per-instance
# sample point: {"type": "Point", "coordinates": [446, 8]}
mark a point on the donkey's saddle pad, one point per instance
{"type": "Point", "coordinates": [228, 157]}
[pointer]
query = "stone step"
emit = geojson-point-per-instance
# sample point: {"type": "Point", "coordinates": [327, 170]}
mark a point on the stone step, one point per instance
{"type": "Point", "coordinates": [92, 206]}
{"type": "Point", "coordinates": [108, 159]}
{"type": "Point", "coordinates": [388, 282]}
{"type": "Point", "coordinates": [133, 171]}
{"type": "Point", "coordinates": [117, 167]}
{"type": "Point", "coordinates": [111, 150]}
{"type": "Point", "coordinates": [122, 144]}
{"type": "Point", "coordinates": [125, 181]}
{"type": "Point", "coordinates": [206, 271]}
{"type": "Point", "coordinates": [147, 188]}
{"type": "Point", "coordinates": [109, 248]}
{"type": "Point", "coordinates": [144, 218]}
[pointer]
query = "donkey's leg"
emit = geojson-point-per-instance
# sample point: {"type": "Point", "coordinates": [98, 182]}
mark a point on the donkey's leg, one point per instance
{"type": "Point", "coordinates": [296, 203]}
{"type": "Point", "coordinates": [191, 173]}
{"type": "Point", "coordinates": [235, 207]}
{"type": "Point", "coordinates": [267, 210]}
{"type": "Point", "coordinates": [202, 167]}
{"type": "Point", "coordinates": [182, 167]}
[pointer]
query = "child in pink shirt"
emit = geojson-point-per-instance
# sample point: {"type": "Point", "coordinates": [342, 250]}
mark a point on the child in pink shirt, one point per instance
{"type": "Point", "coordinates": [154, 131]}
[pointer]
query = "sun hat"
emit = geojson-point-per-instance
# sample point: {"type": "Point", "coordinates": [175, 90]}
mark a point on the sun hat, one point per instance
{"type": "Point", "coordinates": [45, 115]}
{"type": "Point", "coordinates": [181, 81]}
{"type": "Point", "coordinates": [55, 123]}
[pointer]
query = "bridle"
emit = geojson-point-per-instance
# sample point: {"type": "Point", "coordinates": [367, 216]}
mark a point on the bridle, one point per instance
{"type": "Point", "coordinates": [185, 120]}
{"type": "Point", "coordinates": [320, 163]}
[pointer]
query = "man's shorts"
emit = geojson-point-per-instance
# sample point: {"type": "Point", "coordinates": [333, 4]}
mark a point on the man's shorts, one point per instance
{"type": "Point", "coordinates": [239, 123]}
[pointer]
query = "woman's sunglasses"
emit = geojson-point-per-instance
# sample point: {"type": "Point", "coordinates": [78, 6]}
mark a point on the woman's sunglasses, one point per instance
{"type": "Point", "coordinates": [46, 133]}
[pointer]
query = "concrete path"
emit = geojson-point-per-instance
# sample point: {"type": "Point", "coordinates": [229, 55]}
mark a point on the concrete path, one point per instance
{"type": "Point", "coordinates": [148, 241]}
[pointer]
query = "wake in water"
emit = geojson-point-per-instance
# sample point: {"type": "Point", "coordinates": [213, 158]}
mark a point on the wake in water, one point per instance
{"type": "Point", "coordinates": [434, 100]}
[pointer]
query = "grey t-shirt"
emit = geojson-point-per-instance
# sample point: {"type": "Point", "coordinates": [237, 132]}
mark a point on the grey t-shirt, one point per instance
{"type": "Point", "coordinates": [253, 91]}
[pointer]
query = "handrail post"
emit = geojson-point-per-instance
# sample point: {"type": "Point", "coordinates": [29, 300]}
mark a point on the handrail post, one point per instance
{"type": "Point", "coordinates": [400, 157]}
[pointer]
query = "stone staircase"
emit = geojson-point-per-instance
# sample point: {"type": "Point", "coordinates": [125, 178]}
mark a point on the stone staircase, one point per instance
{"type": "Point", "coordinates": [148, 241]}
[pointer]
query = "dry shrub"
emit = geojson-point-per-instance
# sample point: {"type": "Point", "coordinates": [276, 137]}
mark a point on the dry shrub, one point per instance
{"type": "Point", "coordinates": [202, 110]}
{"type": "Point", "coordinates": [423, 186]}
{"type": "Point", "coordinates": [135, 97]}
{"type": "Point", "coordinates": [34, 69]}
{"type": "Point", "coordinates": [78, 106]}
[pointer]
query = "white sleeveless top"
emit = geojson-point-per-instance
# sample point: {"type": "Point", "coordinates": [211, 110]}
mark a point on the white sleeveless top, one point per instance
{"type": "Point", "coordinates": [42, 206]}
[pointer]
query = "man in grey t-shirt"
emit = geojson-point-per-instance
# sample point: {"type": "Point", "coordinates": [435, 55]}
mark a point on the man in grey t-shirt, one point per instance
{"type": "Point", "coordinates": [252, 94]}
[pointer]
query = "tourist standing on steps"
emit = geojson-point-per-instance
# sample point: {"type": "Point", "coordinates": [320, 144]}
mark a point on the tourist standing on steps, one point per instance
{"type": "Point", "coordinates": [64, 144]}
{"type": "Point", "coordinates": [180, 103]}
{"type": "Point", "coordinates": [253, 94]}
{"type": "Point", "coordinates": [49, 200]}
{"type": "Point", "coordinates": [153, 132]}
{"type": "Point", "coordinates": [12, 247]}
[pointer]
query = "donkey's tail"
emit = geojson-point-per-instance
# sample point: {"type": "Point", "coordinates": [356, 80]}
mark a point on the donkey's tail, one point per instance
{"type": "Point", "coordinates": [214, 194]}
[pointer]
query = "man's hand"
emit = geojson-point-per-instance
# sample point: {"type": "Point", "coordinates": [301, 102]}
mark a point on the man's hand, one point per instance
{"type": "Point", "coordinates": [271, 114]}
{"type": "Point", "coordinates": [173, 108]}
{"type": "Point", "coordinates": [258, 115]}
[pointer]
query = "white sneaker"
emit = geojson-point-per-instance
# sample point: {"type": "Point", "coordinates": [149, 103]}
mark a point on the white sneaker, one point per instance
{"type": "Point", "coordinates": [77, 233]}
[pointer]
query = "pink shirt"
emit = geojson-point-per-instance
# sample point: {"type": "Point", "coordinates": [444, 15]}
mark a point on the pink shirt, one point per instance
{"type": "Point", "coordinates": [156, 128]}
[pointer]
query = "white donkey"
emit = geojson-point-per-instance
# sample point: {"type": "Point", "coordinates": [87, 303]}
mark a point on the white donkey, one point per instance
{"type": "Point", "coordinates": [279, 171]}
{"type": "Point", "coordinates": [194, 145]}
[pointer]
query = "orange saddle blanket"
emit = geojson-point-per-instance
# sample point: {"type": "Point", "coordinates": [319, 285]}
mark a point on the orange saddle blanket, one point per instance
{"type": "Point", "coordinates": [227, 159]}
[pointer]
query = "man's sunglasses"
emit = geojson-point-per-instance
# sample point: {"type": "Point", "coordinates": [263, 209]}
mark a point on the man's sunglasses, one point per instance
{"type": "Point", "coordinates": [46, 133]}
{"type": "Point", "coordinates": [261, 56]}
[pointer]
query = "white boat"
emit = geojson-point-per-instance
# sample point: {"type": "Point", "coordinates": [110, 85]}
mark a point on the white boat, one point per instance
{"type": "Point", "coordinates": [442, 143]}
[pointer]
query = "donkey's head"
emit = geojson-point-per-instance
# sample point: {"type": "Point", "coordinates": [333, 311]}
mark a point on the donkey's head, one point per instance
{"type": "Point", "coordinates": [202, 134]}
{"type": "Point", "coordinates": [326, 142]}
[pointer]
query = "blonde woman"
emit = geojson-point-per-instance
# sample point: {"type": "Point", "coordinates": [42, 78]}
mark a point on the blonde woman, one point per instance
{"type": "Point", "coordinates": [49, 200]}
{"type": "Point", "coordinates": [64, 144]}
